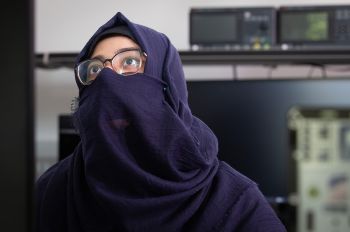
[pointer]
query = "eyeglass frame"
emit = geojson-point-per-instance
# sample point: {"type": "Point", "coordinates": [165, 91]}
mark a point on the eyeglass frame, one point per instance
{"type": "Point", "coordinates": [110, 60]}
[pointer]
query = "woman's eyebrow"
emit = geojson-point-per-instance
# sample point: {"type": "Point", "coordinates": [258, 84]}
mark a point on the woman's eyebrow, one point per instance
{"type": "Point", "coordinates": [99, 57]}
{"type": "Point", "coordinates": [125, 49]}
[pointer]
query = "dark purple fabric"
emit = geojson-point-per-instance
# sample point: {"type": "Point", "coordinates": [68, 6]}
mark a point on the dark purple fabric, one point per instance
{"type": "Point", "coordinates": [145, 163]}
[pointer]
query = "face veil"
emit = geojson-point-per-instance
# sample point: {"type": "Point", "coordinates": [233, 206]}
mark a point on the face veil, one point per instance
{"type": "Point", "coordinates": [143, 156]}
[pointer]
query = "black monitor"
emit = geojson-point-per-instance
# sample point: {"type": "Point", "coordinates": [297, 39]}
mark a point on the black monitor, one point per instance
{"type": "Point", "coordinates": [314, 25]}
{"type": "Point", "coordinates": [68, 136]}
{"type": "Point", "coordinates": [214, 27]}
{"type": "Point", "coordinates": [232, 28]}
{"type": "Point", "coordinates": [250, 120]}
{"type": "Point", "coordinates": [301, 26]}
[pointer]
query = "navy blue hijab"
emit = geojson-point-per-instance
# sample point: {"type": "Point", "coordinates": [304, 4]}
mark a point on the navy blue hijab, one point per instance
{"type": "Point", "coordinates": [144, 163]}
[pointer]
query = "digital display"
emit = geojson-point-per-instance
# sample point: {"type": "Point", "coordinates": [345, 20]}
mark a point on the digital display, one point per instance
{"type": "Point", "coordinates": [304, 26]}
{"type": "Point", "coordinates": [213, 28]}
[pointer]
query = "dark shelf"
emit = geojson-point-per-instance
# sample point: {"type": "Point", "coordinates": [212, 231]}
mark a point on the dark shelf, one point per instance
{"type": "Point", "coordinates": [318, 57]}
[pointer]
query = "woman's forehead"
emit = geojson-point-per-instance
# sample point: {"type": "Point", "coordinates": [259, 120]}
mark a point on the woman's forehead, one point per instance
{"type": "Point", "coordinates": [110, 45]}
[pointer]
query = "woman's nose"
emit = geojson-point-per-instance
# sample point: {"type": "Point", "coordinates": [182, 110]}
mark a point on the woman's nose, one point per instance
{"type": "Point", "coordinates": [108, 64]}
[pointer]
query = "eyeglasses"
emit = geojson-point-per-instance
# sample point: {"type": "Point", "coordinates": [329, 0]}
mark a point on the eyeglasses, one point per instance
{"type": "Point", "coordinates": [126, 62]}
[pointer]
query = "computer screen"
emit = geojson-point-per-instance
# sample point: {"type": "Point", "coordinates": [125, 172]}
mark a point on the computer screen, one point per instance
{"type": "Point", "coordinates": [213, 28]}
{"type": "Point", "coordinates": [304, 26]}
{"type": "Point", "coordinates": [250, 120]}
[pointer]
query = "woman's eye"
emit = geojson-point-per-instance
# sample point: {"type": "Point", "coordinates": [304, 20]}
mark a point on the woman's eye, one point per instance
{"type": "Point", "coordinates": [95, 69]}
{"type": "Point", "coordinates": [131, 61]}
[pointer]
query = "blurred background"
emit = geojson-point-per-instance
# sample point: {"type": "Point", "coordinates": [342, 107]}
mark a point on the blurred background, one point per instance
{"type": "Point", "coordinates": [284, 113]}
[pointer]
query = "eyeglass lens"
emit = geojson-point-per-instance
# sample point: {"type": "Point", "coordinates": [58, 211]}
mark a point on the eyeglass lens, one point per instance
{"type": "Point", "coordinates": [124, 63]}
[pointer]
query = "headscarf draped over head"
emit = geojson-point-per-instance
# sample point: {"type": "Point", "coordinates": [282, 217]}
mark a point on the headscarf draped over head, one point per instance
{"type": "Point", "coordinates": [144, 163]}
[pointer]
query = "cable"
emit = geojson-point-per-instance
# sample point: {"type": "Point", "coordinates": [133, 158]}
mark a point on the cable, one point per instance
{"type": "Point", "coordinates": [234, 72]}
{"type": "Point", "coordinates": [271, 69]}
{"type": "Point", "coordinates": [324, 72]}
{"type": "Point", "coordinates": [311, 71]}
{"type": "Point", "coordinates": [312, 68]}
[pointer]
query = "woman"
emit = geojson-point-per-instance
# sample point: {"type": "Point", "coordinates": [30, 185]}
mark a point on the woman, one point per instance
{"type": "Point", "coordinates": [144, 163]}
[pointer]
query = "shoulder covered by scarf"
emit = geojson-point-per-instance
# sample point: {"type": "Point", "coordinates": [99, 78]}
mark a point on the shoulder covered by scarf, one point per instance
{"type": "Point", "coordinates": [145, 163]}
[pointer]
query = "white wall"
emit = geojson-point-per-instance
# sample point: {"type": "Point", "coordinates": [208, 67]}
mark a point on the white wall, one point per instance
{"type": "Point", "coordinates": [66, 25]}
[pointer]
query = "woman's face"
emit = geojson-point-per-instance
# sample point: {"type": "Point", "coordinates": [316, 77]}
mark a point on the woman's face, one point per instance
{"type": "Point", "coordinates": [108, 47]}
